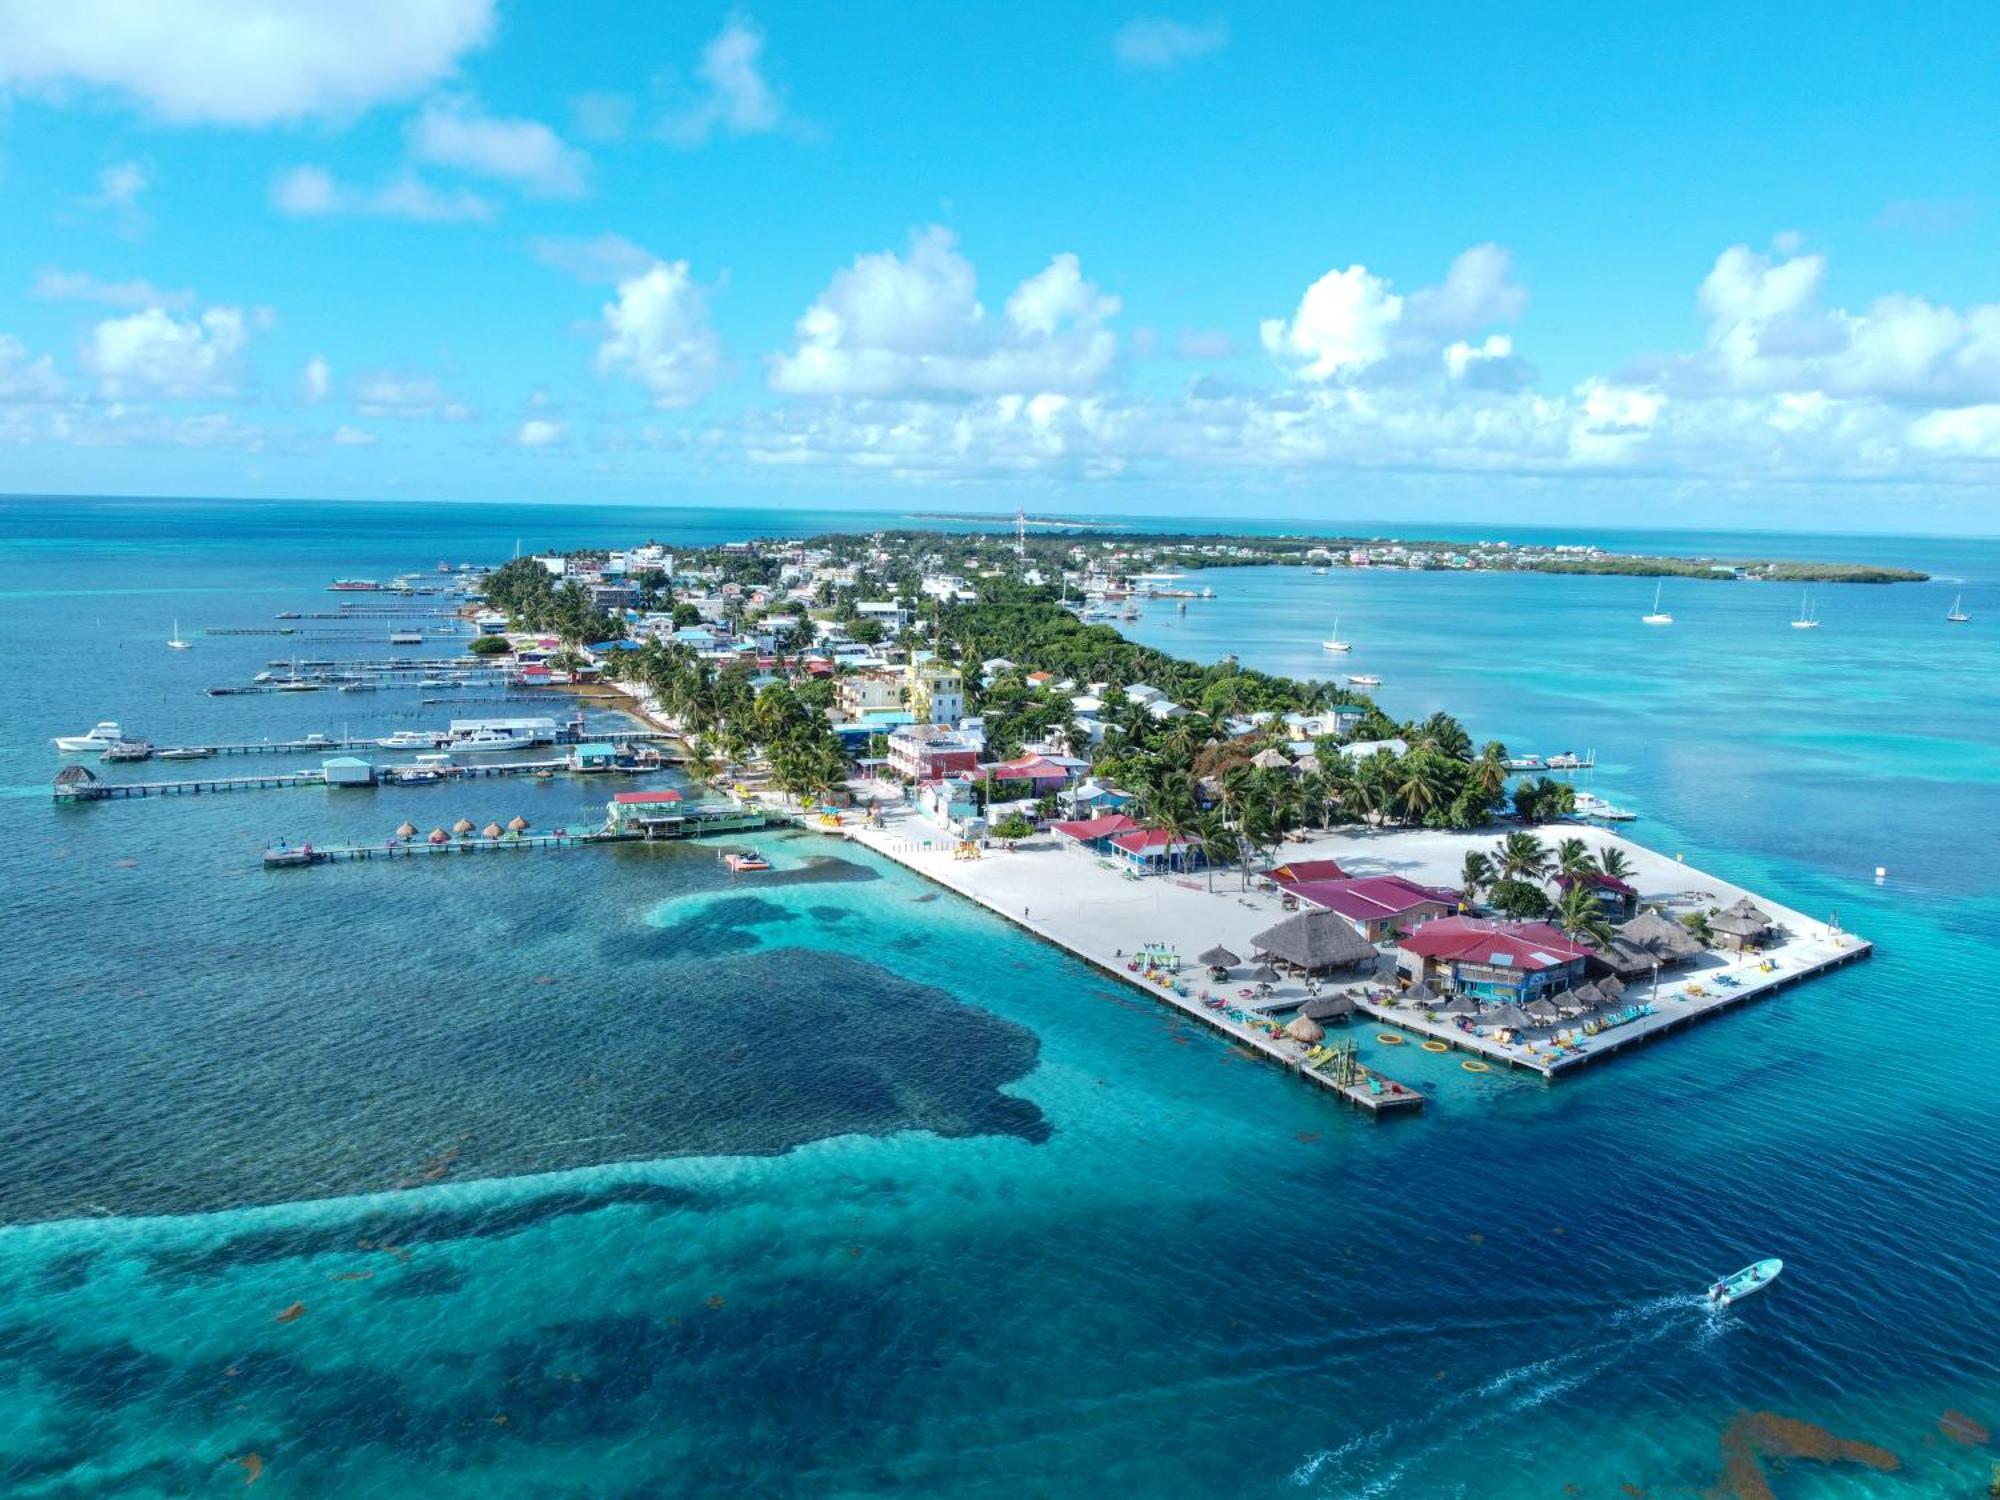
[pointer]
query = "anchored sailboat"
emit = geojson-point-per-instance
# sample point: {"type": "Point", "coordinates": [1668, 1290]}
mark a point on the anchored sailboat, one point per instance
{"type": "Point", "coordinates": [1807, 620]}
{"type": "Point", "coordinates": [1658, 616]}
{"type": "Point", "coordinates": [1337, 644]}
{"type": "Point", "coordinates": [174, 641]}
{"type": "Point", "coordinates": [1958, 616]}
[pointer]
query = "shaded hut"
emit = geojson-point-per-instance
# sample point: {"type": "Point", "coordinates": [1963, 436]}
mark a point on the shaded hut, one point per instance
{"type": "Point", "coordinates": [1649, 940]}
{"type": "Point", "coordinates": [462, 827]}
{"type": "Point", "coordinates": [517, 824]}
{"type": "Point", "coordinates": [439, 836]}
{"type": "Point", "coordinates": [1612, 988]}
{"type": "Point", "coordinates": [1742, 926]}
{"type": "Point", "coordinates": [1315, 941]}
{"type": "Point", "coordinates": [492, 830]}
{"type": "Point", "coordinates": [1582, 999]}
{"type": "Point", "coordinates": [1219, 957]}
{"type": "Point", "coordinates": [1513, 1017]}
{"type": "Point", "coordinates": [1542, 1011]}
{"type": "Point", "coordinates": [1271, 760]}
{"type": "Point", "coordinates": [1459, 1005]}
{"type": "Point", "coordinates": [1421, 993]}
{"type": "Point", "coordinates": [1304, 1029]}
{"type": "Point", "coordinates": [1328, 1008]}
{"type": "Point", "coordinates": [1265, 974]}
{"type": "Point", "coordinates": [406, 830]}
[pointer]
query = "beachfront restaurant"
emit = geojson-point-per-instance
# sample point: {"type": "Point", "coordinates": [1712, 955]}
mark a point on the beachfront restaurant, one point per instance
{"type": "Point", "coordinates": [1497, 961]}
{"type": "Point", "coordinates": [1378, 906]}
{"type": "Point", "coordinates": [1093, 835]}
{"type": "Point", "coordinates": [650, 812]}
{"type": "Point", "coordinates": [1153, 851]}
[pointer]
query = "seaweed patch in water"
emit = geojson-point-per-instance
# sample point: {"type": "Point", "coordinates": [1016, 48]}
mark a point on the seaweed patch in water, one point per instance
{"type": "Point", "coordinates": [1754, 1436]}
{"type": "Point", "coordinates": [1960, 1428]}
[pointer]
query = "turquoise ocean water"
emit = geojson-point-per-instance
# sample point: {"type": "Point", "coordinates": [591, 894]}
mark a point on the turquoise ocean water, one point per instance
{"type": "Point", "coordinates": [597, 1174]}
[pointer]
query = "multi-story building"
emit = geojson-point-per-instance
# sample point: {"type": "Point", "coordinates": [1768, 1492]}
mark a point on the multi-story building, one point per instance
{"type": "Point", "coordinates": [935, 692]}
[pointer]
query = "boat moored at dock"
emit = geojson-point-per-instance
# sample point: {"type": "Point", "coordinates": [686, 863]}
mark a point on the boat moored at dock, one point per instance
{"type": "Point", "coordinates": [102, 736]}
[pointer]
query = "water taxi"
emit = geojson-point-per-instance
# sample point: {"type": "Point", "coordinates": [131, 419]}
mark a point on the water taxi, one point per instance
{"type": "Point", "coordinates": [104, 734]}
{"type": "Point", "coordinates": [1746, 1281]}
{"type": "Point", "coordinates": [1364, 679]}
{"type": "Point", "coordinates": [746, 863]}
{"type": "Point", "coordinates": [1590, 805]}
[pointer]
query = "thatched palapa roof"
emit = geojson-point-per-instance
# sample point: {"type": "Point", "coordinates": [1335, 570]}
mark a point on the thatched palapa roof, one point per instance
{"type": "Point", "coordinates": [1512, 1017]}
{"type": "Point", "coordinates": [1541, 1010]}
{"type": "Point", "coordinates": [1219, 957]}
{"type": "Point", "coordinates": [1328, 1008]}
{"type": "Point", "coordinates": [1315, 940]}
{"type": "Point", "coordinates": [1459, 1005]}
{"type": "Point", "coordinates": [1651, 938]}
{"type": "Point", "coordinates": [1304, 1029]}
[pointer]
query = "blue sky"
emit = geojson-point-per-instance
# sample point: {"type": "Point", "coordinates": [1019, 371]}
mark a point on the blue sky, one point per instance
{"type": "Point", "coordinates": [1714, 265]}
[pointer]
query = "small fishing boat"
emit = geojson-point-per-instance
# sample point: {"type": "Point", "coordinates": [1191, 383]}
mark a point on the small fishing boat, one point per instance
{"type": "Point", "coordinates": [1746, 1281]}
{"type": "Point", "coordinates": [284, 857]}
{"type": "Point", "coordinates": [1569, 760]}
{"type": "Point", "coordinates": [1364, 679]}
{"type": "Point", "coordinates": [1590, 805]}
{"type": "Point", "coordinates": [1658, 616]}
{"type": "Point", "coordinates": [174, 641]}
{"type": "Point", "coordinates": [187, 752]}
{"type": "Point", "coordinates": [746, 863]}
{"type": "Point", "coordinates": [104, 734]}
{"type": "Point", "coordinates": [1807, 620]}
{"type": "Point", "coordinates": [1957, 614]}
{"type": "Point", "coordinates": [1335, 643]}
{"type": "Point", "coordinates": [408, 739]}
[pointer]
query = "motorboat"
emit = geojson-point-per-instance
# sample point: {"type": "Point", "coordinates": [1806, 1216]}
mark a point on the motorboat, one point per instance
{"type": "Point", "coordinates": [1807, 620]}
{"type": "Point", "coordinates": [175, 642]}
{"type": "Point", "coordinates": [1336, 643]}
{"type": "Point", "coordinates": [296, 685]}
{"type": "Point", "coordinates": [360, 685]}
{"type": "Point", "coordinates": [284, 857]}
{"type": "Point", "coordinates": [746, 863]}
{"type": "Point", "coordinates": [1590, 805]}
{"type": "Point", "coordinates": [1749, 1280]}
{"type": "Point", "coordinates": [104, 734]}
{"type": "Point", "coordinates": [1569, 760]}
{"type": "Point", "coordinates": [1364, 679]}
{"type": "Point", "coordinates": [128, 750]}
{"type": "Point", "coordinates": [1957, 614]}
{"type": "Point", "coordinates": [1658, 616]}
{"type": "Point", "coordinates": [1525, 763]}
{"type": "Point", "coordinates": [187, 752]}
{"type": "Point", "coordinates": [408, 739]}
{"type": "Point", "coordinates": [486, 741]}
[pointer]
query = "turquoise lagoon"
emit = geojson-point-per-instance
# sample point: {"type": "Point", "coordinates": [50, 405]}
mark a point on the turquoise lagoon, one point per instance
{"type": "Point", "coordinates": [599, 1173]}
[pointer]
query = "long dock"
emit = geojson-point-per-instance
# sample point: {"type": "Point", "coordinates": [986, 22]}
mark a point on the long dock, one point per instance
{"type": "Point", "coordinates": [736, 820]}
{"type": "Point", "coordinates": [111, 791]}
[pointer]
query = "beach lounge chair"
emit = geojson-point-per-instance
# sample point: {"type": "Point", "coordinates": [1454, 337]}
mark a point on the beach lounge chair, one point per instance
{"type": "Point", "coordinates": [1374, 1084]}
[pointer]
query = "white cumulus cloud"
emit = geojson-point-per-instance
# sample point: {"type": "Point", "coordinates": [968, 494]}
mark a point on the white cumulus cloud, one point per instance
{"type": "Point", "coordinates": [155, 352]}
{"type": "Point", "coordinates": [315, 380]}
{"type": "Point", "coordinates": [25, 377]}
{"type": "Point", "coordinates": [734, 97]}
{"type": "Point", "coordinates": [900, 324]}
{"type": "Point", "coordinates": [55, 285]}
{"type": "Point", "coordinates": [1153, 43]}
{"type": "Point", "coordinates": [313, 193]}
{"type": "Point", "coordinates": [236, 62]}
{"type": "Point", "coordinates": [539, 432]}
{"type": "Point", "coordinates": [657, 333]}
{"type": "Point", "coordinates": [602, 257]}
{"type": "Point", "coordinates": [521, 151]}
{"type": "Point", "coordinates": [353, 437]}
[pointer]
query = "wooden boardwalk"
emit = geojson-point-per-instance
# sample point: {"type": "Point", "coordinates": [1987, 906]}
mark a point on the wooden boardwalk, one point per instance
{"type": "Point", "coordinates": [735, 820]}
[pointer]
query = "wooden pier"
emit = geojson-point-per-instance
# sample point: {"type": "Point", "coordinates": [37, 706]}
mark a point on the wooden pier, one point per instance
{"type": "Point", "coordinates": [733, 820]}
{"type": "Point", "coordinates": [104, 791]}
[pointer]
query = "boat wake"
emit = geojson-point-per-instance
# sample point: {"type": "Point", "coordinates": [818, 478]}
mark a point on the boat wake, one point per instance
{"type": "Point", "coordinates": [1380, 1462]}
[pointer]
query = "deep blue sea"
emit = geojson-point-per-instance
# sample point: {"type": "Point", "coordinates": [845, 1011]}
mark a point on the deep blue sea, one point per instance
{"type": "Point", "coordinates": [595, 1173]}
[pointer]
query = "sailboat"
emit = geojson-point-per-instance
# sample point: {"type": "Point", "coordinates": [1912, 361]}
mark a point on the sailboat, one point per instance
{"type": "Point", "coordinates": [174, 641]}
{"type": "Point", "coordinates": [1958, 616]}
{"type": "Point", "coordinates": [1658, 616]}
{"type": "Point", "coordinates": [1806, 620]}
{"type": "Point", "coordinates": [1336, 643]}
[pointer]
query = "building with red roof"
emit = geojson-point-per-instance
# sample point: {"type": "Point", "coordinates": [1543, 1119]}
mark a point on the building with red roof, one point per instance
{"type": "Point", "coordinates": [1094, 834]}
{"type": "Point", "coordinates": [1300, 870]}
{"type": "Point", "coordinates": [1377, 906]}
{"type": "Point", "coordinates": [1490, 959]}
{"type": "Point", "coordinates": [1151, 851]}
{"type": "Point", "coordinates": [1618, 899]}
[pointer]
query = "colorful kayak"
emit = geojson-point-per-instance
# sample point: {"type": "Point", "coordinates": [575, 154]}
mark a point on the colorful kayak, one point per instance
{"type": "Point", "coordinates": [1744, 1282]}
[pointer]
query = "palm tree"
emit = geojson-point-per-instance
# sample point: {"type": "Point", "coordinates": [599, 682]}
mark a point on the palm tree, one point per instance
{"type": "Point", "coordinates": [1421, 784]}
{"type": "Point", "coordinates": [1582, 917]}
{"type": "Point", "coordinates": [1522, 856]}
{"type": "Point", "coordinates": [1489, 772]}
{"type": "Point", "coordinates": [1210, 832]}
{"type": "Point", "coordinates": [1476, 873]}
{"type": "Point", "coordinates": [1611, 861]}
{"type": "Point", "coordinates": [1573, 859]}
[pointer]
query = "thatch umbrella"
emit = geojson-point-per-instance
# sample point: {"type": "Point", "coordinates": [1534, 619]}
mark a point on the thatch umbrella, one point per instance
{"type": "Point", "coordinates": [1611, 987]}
{"type": "Point", "coordinates": [1328, 1008]}
{"type": "Point", "coordinates": [493, 830]}
{"type": "Point", "coordinates": [462, 827]}
{"type": "Point", "coordinates": [1459, 1005]}
{"type": "Point", "coordinates": [1421, 993]}
{"type": "Point", "coordinates": [1265, 974]}
{"type": "Point", "coordinates": [1305, 1029]}
{"type": "Point", "coordinates": [406, 830]}
{"type": "Point", "coordinates": [1219, 957]}
{"type": "Point", "coordinates": [1576, 1001]}
{"type": "Point", "coordinates": [1271, 760]}
{"type": "Point", "coordinates": [1541, 1010]}
{"type": "Point", "coordinates": [439, 836]}
{"type": "Point", "coordinates": [1512, 1017]}
{"type": "Point", "coordinates": [1745, 907]}
{"type": "Point", "coordinates": [517, 824]}
{"type": "Point", "coordinates": [1315, 940]}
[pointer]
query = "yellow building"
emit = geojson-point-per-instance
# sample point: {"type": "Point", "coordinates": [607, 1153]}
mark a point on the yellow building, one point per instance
{"type": "Point", "coordinates": [935, 692]}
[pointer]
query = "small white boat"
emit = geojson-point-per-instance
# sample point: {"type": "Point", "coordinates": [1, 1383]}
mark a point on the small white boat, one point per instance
{"type": "Point", "coordinates": [187, 752]}
{"type": "Point", "coordinates": [1745, 1282]}
{"type": "Point", "coordinates": [1658, 616]}
{"type": "Point", "coordinates": [174, 641]}
{"type": "Point", "coordinates": [1807, 620]}
{"type": "Point", "coordinates": [1336, 643]}
{"type": "Point", "coordinates": [484, 741]}
{"type": "Point", "coordinates": [1590, 805]}
{"type": "Point", "coordinates": [1364, 679]}
{"type": "Point", "coordinates": [408, 739]}
{"type": "Point", "coordinates": [1957, 614]}
{"type": "Point", "coordinates": [102, 736]}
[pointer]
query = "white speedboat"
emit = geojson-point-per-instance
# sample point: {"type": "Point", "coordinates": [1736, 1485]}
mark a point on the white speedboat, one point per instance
{"type": "Point", "coordinates": [408, 739]}
{"type": "Point", "coordinates": [1336, 643]}
{"type": "Point", "coordinates": [102, 736]}
{"type": "Point", "coordinates": [1590, 805]}
{"type": "Point", "coordinates": [174, 641]}
{"type": "Point", "coordinates": [1745, 1282]}
{"type": "Point", "coordinates": [487, 741]}
{"type": "Point", "coordinates": [1364, 679]}
{"type": "Point", "coordinates": [1658, 616]}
